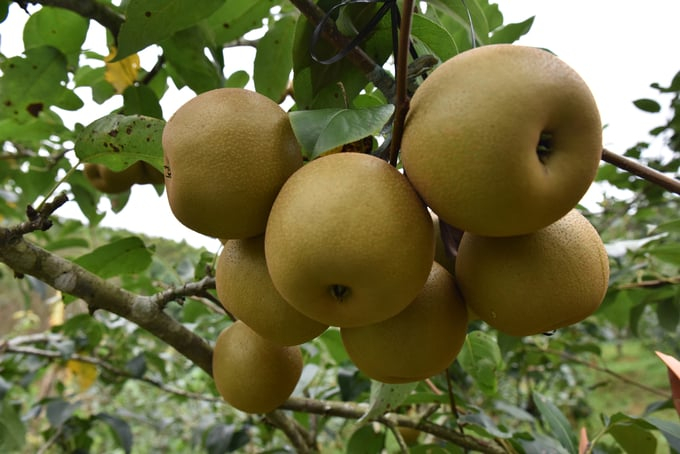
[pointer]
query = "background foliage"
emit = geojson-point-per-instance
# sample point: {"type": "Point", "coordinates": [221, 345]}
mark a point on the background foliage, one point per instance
{"type": "Point", "coordinates": [77, 379]}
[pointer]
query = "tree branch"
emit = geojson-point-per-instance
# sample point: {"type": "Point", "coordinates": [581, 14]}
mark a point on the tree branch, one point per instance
{"type": "Point", "coordinates": [26, 258]}
{"type": "Point", "coordinates": [293, 431]}
{"type": "Point", "coordinates": [89, 9]}
{"type": "Point", "coordinates": [642, 171]}
{"type": "Point", "coordinates": [351, 410]}
{"type": "Point", "coordinates": [374, 72]}
{"type": "Point", "coordinates": [14, 347]}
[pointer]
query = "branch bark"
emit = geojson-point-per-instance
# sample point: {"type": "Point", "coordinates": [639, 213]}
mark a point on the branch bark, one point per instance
{"type": "Point", "coordinates": [27, 258]}
{"type": "Point", "coordinates": [642, 171]}
{"type": "Point", "coordinates": [89, 9]}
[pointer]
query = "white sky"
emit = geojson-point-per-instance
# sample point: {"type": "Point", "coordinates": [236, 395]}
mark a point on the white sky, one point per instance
{"type": "Point", "coordinates": [618, 47]}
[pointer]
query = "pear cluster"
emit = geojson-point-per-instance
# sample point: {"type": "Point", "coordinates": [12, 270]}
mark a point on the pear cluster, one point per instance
{"type": "Point", "coordinates": [347, 242]}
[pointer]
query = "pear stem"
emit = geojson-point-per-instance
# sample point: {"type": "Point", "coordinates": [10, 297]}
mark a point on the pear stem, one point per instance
{"type": "Point", "coordinates": [401, 98]}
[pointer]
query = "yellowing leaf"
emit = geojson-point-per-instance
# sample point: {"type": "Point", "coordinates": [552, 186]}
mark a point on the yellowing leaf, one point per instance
{"type": "Point", "coordinates": [57, 313]}
{"type": "Point", "coordinates": [121, 74]}
{"type": "Point", "coordinates": [83, 373]}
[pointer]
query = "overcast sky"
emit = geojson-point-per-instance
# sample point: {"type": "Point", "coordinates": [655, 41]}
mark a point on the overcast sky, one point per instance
{"type": "Point", "coordinates": [619, 48]}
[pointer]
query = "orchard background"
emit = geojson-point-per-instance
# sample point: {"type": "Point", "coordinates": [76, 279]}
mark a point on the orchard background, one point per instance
{"type": "Point", "coordinates": [105, 335]}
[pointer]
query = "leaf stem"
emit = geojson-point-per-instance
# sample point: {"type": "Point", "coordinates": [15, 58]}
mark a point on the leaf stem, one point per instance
{"type": "Point", "coordinates": [401, 73]}
{"type": "Point", "coordinates": [68, 174]}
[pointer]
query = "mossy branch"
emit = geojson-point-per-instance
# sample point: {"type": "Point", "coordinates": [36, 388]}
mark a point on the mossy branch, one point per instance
{"type": "Point", "coordinates": [25, 257]}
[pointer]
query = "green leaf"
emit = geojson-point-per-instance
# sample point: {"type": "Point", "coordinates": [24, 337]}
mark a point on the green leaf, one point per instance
{"type": "Point", "coordinates": [647, 105]}
{"type": "Point", "coordinates": [511, 32]}
{"type": "Point", "coordinates": [386, 397]}
{"type": "Point", "coordinates": [669, 253]}
{"type": "Point", "coordinates": [321, 130]}
{"type": "Point", "coordinates": [333, 342]}
{"type": "Point", "coordinates": [59, 28]}
{"type": "Point", "coordinates": [238, 79]}
{"type": "Point", "coordinates": [12, 429]}
{"type": "Point", "coordinates": [124, 256]}
{"type": "Point", "coordinates": [633, 438]}
{"type": "Point", "coordinates": [319, 86]}
{"type": "Point", "coordinates": [669, 226]}
{"type": "Point", "coordinates": [434, 36]}
{"type": "Point", "coordinates": [184, 52]}
{"type": "Point", "coordinates": [481, 358]}
{"type": "Point", "coordinates": [483, 425]}
{"type": "Point", "coordinates": [141, 100]}
{"type": "Point", "coordinates": [33, 83]}
{"type": "Point", "coordinates": [455, 13]}
{"type": "Point", "coordinates": [234, 19]}
{"type": "Point", "coordinates": [556, 422]}
{"type": "Point", "coordinates": [118, 141]}
{"type": "Point", "coordinates": [352, 383]}
{"type": "Point", "coordinates": [365, 440]}
{"type": "Point", "coordinates": [87, 76]}
{"type": "Point", "coordinates": [669, 429]}
{"type": "Point", "coordinates": [273, 60]}
{"type": "Point", "coordinates": [121, 430]}
{"type": "Point", "coordinates": [4, 9]}
{"type": "Point", "coordinates": [668, 315]}
{"type": "Point", "coordinates": [58, 411]}
{"type": "Point", "coordinates": [152, 21]}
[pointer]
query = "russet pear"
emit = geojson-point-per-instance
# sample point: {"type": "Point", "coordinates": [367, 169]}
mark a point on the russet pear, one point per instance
{"type": "Point", "coordinates": [502, 140]}
{"type": "Point", "coordinates": [348, 241]}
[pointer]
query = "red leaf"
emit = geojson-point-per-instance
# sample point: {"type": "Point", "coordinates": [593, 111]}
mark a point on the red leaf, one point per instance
{"type": "Point", "coordinates": [673, 376]}
{"type": "Point", "coordinates": [583, 443]}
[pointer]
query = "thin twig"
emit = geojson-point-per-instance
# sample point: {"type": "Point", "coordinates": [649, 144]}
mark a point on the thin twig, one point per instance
{"type": "Point", "coordinates": [656, 283]}
{"type": "Point", "coordinates": [642, 171]}
{"type": "Point", "coordinates": [295, 433]}
{"type": "Point", "coordinates": [606, 370]}
{"type": "Point", "coordinates": [12, 347]}
{"type": "Point", "coordinates": [177, 293]}
{"type": "Point", "coordinates": [37, 220]}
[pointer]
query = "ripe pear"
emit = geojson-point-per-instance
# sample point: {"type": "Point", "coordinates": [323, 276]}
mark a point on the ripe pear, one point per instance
{"type": "Point", "coordinates": [114, 182]}
{"type": "Point", "coordinates": [246, 291]}
{"type": "Point", "coordinates": [251, 373]}
{"type": "Point", "coordinates": [227, 153]}
{"type": "Point", "coordinates": [151, 175]}
{"type": "Point", "coordinates": [418, 342]}
{"type": "Point", "coordinates": [538, 282]}
{"type": "Point", "coordinates": [502, 140]}
{"type": "Point", "coordinates": [348, 241]}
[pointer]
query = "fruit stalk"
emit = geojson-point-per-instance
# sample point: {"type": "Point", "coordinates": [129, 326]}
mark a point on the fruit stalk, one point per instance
{"type": "Point", "coordinates": [401, 101]}
{"type": "Point", "coordinates": [642, 171]}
